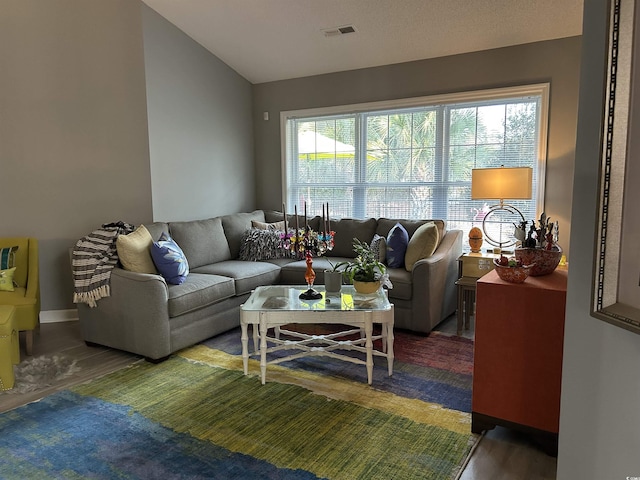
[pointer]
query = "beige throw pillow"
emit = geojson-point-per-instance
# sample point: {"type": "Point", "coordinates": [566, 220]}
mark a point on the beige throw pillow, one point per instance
{"type": "Point", "coordinates": [134, 251]}
{"type": "Point", "coordinates": [422, 244]}
{"type": "Point", "coordinates": [267, 226]}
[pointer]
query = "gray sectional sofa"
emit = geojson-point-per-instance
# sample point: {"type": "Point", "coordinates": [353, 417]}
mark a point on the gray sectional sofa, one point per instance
{"type": "Point", "coordinates": [146, 316]}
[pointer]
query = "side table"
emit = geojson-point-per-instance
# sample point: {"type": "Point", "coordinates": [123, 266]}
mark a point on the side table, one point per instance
{"type": "Point", "coordinates": [471, 266]}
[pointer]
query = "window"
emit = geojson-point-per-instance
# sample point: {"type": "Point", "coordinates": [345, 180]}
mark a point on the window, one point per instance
{"type": "Point", "coordinates": [413, 158]}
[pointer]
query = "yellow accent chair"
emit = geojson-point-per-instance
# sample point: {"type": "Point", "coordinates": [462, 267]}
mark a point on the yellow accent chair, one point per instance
{"type": "Point", "coordinates": [26, 295]}
{"type": "Point", "coordinates": [9, 349]}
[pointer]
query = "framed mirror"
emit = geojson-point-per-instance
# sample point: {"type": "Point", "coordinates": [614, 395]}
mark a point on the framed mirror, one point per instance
{"type": "Point", "coordinates": [616, 289]}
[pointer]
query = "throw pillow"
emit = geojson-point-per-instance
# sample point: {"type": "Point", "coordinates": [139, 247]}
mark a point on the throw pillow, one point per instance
{"type": "Point", "coordinates": [422, 244]}
{"type": "Point", "coordinates": [379, 247]}
{"type": "Point", "coordinates": [170, 260]}
{"type": "Point", "coordinates": [8, 257]}
{"type": "Point", "coordinates": [6, 279]}
{"type": "Point", "coordinates": [260, 244]}
{"type": "Point", "coordinates": [397, 242]}
{"type": "Point", "coordinates": [268, 226]}
{"type": "Point", "coordinates": [134, 251]}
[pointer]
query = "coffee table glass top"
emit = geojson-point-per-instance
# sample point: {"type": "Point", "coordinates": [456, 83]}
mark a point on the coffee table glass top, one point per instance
{"type": "Point", "coordinates": [285, 297]}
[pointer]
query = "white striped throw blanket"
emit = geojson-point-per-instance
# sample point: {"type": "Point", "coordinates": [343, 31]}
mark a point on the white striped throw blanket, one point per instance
{"type": "Point", "coordinates": [93, 259]}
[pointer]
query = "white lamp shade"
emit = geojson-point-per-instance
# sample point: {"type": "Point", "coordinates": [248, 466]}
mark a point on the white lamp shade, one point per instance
{"type": "Point", "coordinates": [501, 183]}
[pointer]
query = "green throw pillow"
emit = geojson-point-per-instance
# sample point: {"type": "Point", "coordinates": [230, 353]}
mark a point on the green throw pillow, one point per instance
{"type": "Point", "coordinates": [422, 244]}
{"type": "Point", "coordinates": [8, 257]}
{"type": "Point", "coordinates": [6, 279]}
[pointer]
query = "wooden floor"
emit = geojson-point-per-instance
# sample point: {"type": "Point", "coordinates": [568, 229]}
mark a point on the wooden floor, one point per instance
{"type": "Point", "coordinates": [501, 454]}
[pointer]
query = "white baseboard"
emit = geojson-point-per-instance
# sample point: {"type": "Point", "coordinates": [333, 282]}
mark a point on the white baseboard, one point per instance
{"type": "Point", "coordinates": [55, 316]}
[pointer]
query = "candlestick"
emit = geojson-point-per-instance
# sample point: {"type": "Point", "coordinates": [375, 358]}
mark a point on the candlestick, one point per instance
{"type": "Point", "coordinates": [295, 240]}
{"type": "Point", "coordinates": [323, 224]}
{"type": "Point", "coordinates": [284, 214]}
{"type": "Point", "coordinates": [305, 214]}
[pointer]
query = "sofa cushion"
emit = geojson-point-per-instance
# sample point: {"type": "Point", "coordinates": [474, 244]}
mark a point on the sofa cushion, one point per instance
{"type": "Point", "coordinates": [386, 224]}
{"type": "Point", "coordinates": [198, 291]}
{"type": "Point", "coordinates": [246, 275]}
{"type": "Point", "coordinates": [156, 229]}
{"type": "Point", "coordinates": [292, 273]}
{"type": "Point", "coordinates": [169, 260]}
{"type": "Point", "coordinates": [397, 242]}
{"type": "Point", "coordinates": [346, 229]}
{"type": "Point", "coordinates": [235, 225]}
{"type": "Point", "coordinates": [422, 244]}
{"type": "Point", "coordinates": [134, 251]}
{"type": "Point", "coordinates": [402, 283]}
{"type": "Point", "coordinates": [202, 241]}
{"type": "Point", "coordinates": [272, 216]}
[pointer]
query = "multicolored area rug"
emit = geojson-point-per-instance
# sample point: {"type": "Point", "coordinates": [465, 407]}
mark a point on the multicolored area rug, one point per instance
{"type": "Point", "coordinates": [198, 416]}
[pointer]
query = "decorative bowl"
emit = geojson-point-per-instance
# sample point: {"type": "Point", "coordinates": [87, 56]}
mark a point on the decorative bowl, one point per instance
{"type": "Point", "coordinates": [513, 274]}
{"type": "Point", "coordinates": [546, 261]}
{"type": "Point", "coordinates": [366, 288]}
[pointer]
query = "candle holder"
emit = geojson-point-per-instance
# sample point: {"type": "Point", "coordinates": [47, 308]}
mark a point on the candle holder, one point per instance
{"type": "Point", "coordinates": [305, 243]}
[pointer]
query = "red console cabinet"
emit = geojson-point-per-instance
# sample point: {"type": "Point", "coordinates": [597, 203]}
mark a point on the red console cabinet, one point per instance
{"type": "Point", "coordinates": [517, 363]}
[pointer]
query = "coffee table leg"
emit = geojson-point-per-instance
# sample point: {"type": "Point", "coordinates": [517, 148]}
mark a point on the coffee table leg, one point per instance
{"type": "Point", "coordinates": [368, 331]}
{"type": "Point", "coordinates": [254, 329]}
{"type": "Point", "coordinates": [389, 327]}
{"type": "Point", "coordinates": [244, 338]}
{"type": "Point", "coordinates": [263, 348]}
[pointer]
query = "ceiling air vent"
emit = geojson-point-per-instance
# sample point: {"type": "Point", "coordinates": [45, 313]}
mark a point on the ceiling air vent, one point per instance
{"type": "Point", "coordinates": [335, 31]}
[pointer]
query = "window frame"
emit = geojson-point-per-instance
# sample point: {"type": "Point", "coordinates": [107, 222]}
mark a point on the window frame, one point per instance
{"type": "Point", "coordinates": [493, 94]}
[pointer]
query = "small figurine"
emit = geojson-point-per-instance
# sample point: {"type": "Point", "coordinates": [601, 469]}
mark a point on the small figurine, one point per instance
{"type": "Point", "coordinates": [520, 231]}
{"type": "Point", "coordinates": [530, 242]}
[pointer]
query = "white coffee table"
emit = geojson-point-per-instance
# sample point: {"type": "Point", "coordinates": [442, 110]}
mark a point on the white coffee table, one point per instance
{"type": "Point", "coordinates": [278, 305]}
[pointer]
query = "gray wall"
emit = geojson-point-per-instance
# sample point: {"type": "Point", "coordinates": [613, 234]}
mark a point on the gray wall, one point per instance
{"type": "Point", "coordinates": [200, 128]}
{"type": "Point", "coordinates": [73, 129]}
{"type": "Point", "coordinates": [600, 417]}
{"type": "Point", "coordinates": [74, 138]}
{"type": "Point", "coordinates": [557, 62]}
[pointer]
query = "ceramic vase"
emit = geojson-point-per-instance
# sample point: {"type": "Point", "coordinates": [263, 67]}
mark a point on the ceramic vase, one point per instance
{"type": "Point", "coordinates": [332, 282]}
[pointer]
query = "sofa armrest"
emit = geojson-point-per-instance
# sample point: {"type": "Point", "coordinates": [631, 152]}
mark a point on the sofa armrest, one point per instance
{"type": "Point", "coordinates": [433, 279]}
{"type": "Point", "coordinates": [133, 318]}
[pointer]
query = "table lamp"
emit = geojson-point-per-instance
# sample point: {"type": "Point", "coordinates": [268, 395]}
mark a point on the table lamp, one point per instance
{"type": "Point", "coordinates": [501, 183]}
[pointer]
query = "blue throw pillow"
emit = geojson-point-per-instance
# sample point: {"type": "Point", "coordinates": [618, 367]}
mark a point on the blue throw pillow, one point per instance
{"type": "Point", "coordinates": [169, 260]}
{"type": "Point", "coordinates": [397, 242]}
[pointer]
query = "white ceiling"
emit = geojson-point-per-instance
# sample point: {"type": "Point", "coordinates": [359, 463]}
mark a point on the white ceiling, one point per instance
{"type": "Point", "coordinates": [268, 40]}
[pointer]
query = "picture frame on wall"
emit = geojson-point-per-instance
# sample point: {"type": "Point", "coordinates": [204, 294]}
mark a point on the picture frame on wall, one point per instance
{"type": "Point", "coordinates": [616, 288]}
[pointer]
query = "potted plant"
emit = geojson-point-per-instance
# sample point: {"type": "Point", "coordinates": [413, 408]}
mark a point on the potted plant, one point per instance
{"type": "Point", "coordinates": [332, 279]}
{"type": "Point", "coordinates": [366, 272]}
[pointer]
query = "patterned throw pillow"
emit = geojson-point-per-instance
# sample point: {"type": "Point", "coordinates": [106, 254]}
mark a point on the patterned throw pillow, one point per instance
{"type": "Point", "coordinates": [170, 260]}
{"type": "Point", "coordinates": [397, 242]}
{"type": "Point", "coordinates": [6, 279]}
{"type": "Point", "coordinates": [258, 244]}
{"type": "Point", "coordinates": [379, 247]}
{"type": "Point", "coordinates": [8, 257]}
